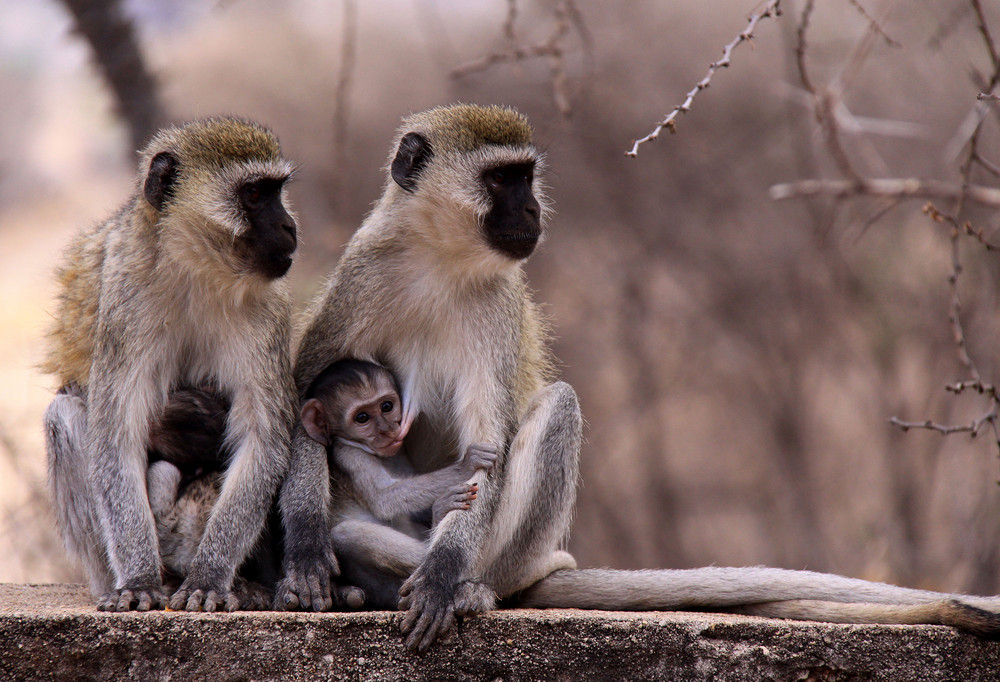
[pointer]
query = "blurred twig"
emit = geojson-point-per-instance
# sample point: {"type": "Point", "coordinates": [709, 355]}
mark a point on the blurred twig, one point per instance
{"type": "Point", "coordinates": [902, 188]}
{"type": "Point", "coordinates": [875, 25]}
{"type": "Point", "coordinates": [567, 16]}
{"type": "Point", "coordinates": [854, 184]}
{"type": "Point", "coordinates": [771, 9]}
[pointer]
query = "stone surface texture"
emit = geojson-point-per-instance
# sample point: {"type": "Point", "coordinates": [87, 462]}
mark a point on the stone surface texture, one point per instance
{"type": "Point", "coordinates": [53, 632]}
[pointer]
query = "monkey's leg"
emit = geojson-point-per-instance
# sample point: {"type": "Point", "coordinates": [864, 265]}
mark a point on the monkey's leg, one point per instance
{"type": "Point", "coordinates": [530, 513]}
{"type": "Point", "coordinates": [72, 494]}
{"type": "Point", "coordinates": [532, 523]}
{"type": "Point", "coordinates": [376, 559]}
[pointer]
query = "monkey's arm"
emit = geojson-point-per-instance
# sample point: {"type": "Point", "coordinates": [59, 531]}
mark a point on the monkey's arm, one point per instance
{"type": "Point", "coordinates": [388, 497]}
{"type": "Point", "coordinates": [260, 426]}
{"type": "Point", "coordinates": [121, 397]}
{"type": "Point", "coordinates": [304, 502]}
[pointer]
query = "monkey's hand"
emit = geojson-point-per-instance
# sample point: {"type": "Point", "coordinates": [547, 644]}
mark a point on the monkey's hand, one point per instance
{"type": "Point", "coordinates": [307, 585]}
{"type": "Point", "coordinates": [456, 497]}
{"type": "Point", "coordinates": [133, 598]}
{"type": "Point", "coordinates": [481, 456]}
{"type": "Point", "coordinates": [199, 595]}
{"type": "Point", "coordinates": [429, 602]}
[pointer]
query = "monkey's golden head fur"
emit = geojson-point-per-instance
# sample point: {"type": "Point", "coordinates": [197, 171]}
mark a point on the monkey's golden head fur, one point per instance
{"type": "Point", "coordinates": [467, 127]}
{"type": "Point", "coordinates": [215, 143]}
{"type": "Point", "coordinates": [215, 155]}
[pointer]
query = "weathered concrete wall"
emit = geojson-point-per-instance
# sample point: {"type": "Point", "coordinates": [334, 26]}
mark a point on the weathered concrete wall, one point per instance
{"type": "Point", "coordinates": [53, 632]}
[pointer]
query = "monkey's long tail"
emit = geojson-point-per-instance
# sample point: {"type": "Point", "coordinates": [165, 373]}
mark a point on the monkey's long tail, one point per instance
{"type": "Point", "coordinates": [774, 592]}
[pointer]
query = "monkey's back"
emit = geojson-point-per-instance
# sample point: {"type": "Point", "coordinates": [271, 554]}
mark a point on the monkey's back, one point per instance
{"type": "Point", "coordinates": [71, 336]}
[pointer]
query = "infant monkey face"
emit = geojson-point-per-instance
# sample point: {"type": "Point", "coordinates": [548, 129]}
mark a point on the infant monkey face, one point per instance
{"type": "Point", "coordinates": [377, 422]}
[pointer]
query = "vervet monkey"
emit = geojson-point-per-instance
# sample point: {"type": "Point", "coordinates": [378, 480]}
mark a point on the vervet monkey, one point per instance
{"type": "Point", "coordinates": [441, 256]}
{"type": "Point", "coordinates": [182, 287]}
{"type": "Point", "coordinates": [353, 408]}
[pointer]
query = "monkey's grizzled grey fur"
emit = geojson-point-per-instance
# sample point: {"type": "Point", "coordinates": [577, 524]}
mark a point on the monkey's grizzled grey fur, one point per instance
{"type": "Point", "coordinates": [181, 287]}
{"type": "Point", "coordinates": [432, 287]}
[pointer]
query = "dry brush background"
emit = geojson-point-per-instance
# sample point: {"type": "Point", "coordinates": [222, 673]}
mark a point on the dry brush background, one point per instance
{"type": "Point", "coordinates": [737, 358]}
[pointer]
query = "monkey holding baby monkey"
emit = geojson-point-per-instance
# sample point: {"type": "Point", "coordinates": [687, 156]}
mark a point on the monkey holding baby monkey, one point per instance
{"type": "Point", "coordinates": [441, 256]}
{"type": "Point", "coordinates": [353, 408]}
{"type": "Point", "coordinates": [182, 287]}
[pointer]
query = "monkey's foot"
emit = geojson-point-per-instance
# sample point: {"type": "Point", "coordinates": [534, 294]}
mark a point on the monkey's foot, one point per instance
{"type": "Point", "coordinates": [305, 589]}
{"type": "Point", "coordinates": [472, 598]}
{"type": "Point", "coordinates": [137, 599]}
{"type": "Point", "coordinates": [248, 595]}
{"type": "Point", "coordinates": [430, 609]}
{"type": "Point", "coordinates": [190, 597]}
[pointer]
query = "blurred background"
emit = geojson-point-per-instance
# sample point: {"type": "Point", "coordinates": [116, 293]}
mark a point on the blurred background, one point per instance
{"type": "Point", "coordinates": [737, 358]}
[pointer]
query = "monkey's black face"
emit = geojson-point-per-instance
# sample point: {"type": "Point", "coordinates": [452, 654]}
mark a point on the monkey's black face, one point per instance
{"type": "Point", "coordinates": [513, 225]}
{"type": "Point", "coordinates": [267, 246]}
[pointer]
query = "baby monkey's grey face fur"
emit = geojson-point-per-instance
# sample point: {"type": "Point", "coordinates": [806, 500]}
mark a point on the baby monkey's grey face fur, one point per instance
{"type": "Point", "coordinates": [362, 408]}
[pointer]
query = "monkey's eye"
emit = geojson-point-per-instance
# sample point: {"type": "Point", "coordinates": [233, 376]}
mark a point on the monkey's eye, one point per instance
{"type": "Point", "coordinates": [361, 418]}
{"type": "Point", "coordinates": [497, 177]}
{"type": "Point", "coordinates": [387, 406]}
{"type": "Point", "coordinates": [251, 193]}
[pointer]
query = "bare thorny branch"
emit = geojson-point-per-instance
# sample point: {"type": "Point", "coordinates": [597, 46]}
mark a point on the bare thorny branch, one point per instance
{"type": "Point", "coordinates": [566, 18]}
{"type": "Point", "coordinates": [855, 184]}
{"type": "Point", "coordinates": [770, 9]}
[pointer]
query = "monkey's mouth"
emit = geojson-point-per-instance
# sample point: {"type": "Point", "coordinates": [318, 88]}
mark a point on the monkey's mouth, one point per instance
{"type": "Point", "coordinates": [390, 448]}
{"type": "Point", "coordinates": [516, 245]}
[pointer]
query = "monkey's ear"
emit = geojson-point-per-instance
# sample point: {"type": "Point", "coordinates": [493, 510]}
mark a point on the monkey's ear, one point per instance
{"type": "Point", "coordinates": [412, 155]}
{"type": "Point", "coordinates": [160, 180]}
{"type": "Point", "coordinates": [314, 421]}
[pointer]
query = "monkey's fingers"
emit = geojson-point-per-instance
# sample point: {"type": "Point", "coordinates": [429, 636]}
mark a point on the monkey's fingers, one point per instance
{"type": "Point", "coordinates": [407, 587]}
{"type": "Point", "coordinates": [284, 598]}
{"type": "Point", "coordinates": [350, 597]}
{"type": "Point", "coordinates": [413, 613]}
{"type": "Point", "coordinates": [194, 601]}
{"type": "Point", "coordinates": [146, 601]}
{"type": "Point", "coordinates": [318, 585]}
{"type": "Point", "coordinates": [125, 599]}
{"type": "Point", "coordinates": [213, 600]}
{"type": "Point", "coordinates": [232, 603]}
{"type": "Point", "coordinates": [433, 623]}
{"type": "Point", "coordinates": [178, 600]}
{"type": "Point", "coordinates": [107, 601]}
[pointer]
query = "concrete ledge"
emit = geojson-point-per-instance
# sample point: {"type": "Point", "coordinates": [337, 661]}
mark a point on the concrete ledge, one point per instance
{"type": "Point", "coordinates": [53, 632]}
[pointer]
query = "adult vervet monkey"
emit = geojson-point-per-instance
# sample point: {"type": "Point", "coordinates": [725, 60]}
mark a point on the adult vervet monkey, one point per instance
{"type": "Point", "coordinates": [431, 286]}
{"type": "Point", "coordinates": [182, 287]}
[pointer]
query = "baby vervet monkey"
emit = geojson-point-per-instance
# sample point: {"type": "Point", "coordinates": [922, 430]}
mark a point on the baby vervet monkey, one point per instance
{"type": "Point", "coordinates": [353, 408]}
